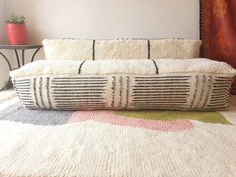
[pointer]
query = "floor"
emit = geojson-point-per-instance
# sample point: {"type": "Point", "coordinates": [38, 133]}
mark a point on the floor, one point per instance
{"type": "Point", "coordinates": [5, 95]}
{"type": "Point", "coordinates": [229, 113]}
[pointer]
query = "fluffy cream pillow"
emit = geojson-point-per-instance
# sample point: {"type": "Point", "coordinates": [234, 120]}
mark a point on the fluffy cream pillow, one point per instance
{"type": "Point", "coordinates": [76, 49]}
{"type": "Point", "coordinates": [121, 49]}
{"type": "Point", "coordinates": [68, 49]}
{"type": "Point", "coordinates": [175, 48]}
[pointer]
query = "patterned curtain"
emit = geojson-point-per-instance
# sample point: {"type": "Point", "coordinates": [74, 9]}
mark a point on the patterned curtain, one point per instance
{"type": "Point", "coordinates": [218, 31]}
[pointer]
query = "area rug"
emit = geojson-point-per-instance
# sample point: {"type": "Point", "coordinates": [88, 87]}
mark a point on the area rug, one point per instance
{"type": "Point", "coordinates": [115, 143]}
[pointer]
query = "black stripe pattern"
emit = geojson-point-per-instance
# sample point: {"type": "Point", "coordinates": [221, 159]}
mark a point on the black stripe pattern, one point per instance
{"type": "Point", "coordinates": [94, 49]}
{"type": "Point", "coordinates": [86, 92]}
{"type": "Point", "coordinates": [80, 67]}
{"type": "Point", "coordinates": [154, 62]}
{"type": "Point", "coordinates": [148, 46]}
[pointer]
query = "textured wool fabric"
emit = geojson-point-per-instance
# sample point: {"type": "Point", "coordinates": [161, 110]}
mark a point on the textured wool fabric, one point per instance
{"type": "Point", "coordinates": [91, 148]}
{"type": "Point", "coordinates": [76, 49]}
{"type": "Point", "coordinates": [137, 67]}
{"type": "Point", "coordinates": [68, 49]}
{"type": "Point", "coordinates": [118, 84]}
{"type": "Point", "coordinates": [175, 48]}
{"type": "Point", "coordinates": [16, 112]}
{"type": "Point", "coordinates": [121, 49]}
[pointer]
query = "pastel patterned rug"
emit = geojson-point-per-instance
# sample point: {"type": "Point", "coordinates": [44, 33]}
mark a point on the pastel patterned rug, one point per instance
{"type": "Point", "coordinates": [115, 143]}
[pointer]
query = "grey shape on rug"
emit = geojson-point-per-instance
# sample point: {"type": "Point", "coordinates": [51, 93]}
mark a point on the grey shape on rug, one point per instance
{"type": "Point", "coordinates": [18, 113]}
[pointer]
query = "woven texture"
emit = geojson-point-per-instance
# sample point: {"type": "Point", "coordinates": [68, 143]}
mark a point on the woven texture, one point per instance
{"type": "Point", "coordinates": [75, 49]}
{"type": "Point", "coordinates": [92, 148]}
{"type": "Point", "coordinates": [139, 84]}
{"type": "Point", "coordinates": [115, 143]}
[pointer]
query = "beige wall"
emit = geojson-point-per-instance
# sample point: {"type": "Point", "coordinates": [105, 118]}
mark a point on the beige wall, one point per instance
{"type": "Point", "coordinates": [103, 19]}
{"type": "Point", "coordinates": [2, 20]}
{"type": "Point", "coordinates": [108, 18]}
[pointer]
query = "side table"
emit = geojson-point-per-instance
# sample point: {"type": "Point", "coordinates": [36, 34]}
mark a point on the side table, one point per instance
{"type": "Point", "coordinates": [20, 61]}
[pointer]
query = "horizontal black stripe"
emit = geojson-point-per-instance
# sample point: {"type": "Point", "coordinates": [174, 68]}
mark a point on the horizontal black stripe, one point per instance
{"type": "Point", "coordinates": [159, 91]}
{"type": "Point", "coordinates": [217, 102]}
{"type": "Point", "coordinates": [223, 81]}
{"type": "Point", "coordinates": [22, 86]}
{"type": "Point", "coordinates": [216, 105]}
{"type": "Point", "coordinates": [82, 92]}
{"type": "Point", "coordinates": [77, 90]}
{"type": "Point", "coordinates": [162, 85]}
{"type": "Point", "coordinates": [220, 84]}
{"type": "Point", "coordinates": [71, 78]}
{"type": "Point", "coordinates": [84, 83]}
{"type": "Point", "coordinates": [157, 88]}
{"type": "Point", "coordinates": [174, 107]}
{"type": "Point", "coordinates": [80, 80]}
{"type": "Point", "coordinates": [24, 93]}
{"type": "Point", "coordinates": [76, 93]}
{"type": "Point", "coordinates": [81, 104]}
{"type": "Point", "coordinates": [219, 95]}
{"type": "Point", "coordinates": [25, 97]}
{"type": "Point", "coordinates": [80, 100]}
{"type": "Point", "coordinates": [86, 86]}
{"type": "Point", "coordinates": [75, 99]}
{"type": "Point", "coordinates": [87, 94]}
{"type": "Point", "coordinates": [22, 80]}
{"type": "Point", "coordinates": [31, 107]}
{"type": "Point", "coordinates": [79, 107]}
{"type": "Point", "coordinates": [28, 104]}
{"type": "Point", "coordinates": [221, 77]}
{"type": "Point", "coordinates": [72, 83]}
{"type": "Point", "coordinates": [219, 98]}
{"type": "Point", "coordinates": [159, 102]}
{"type": "Point", "coordinates": [70, 99]}
{"type": "Point", "coordinates": [22, 83]}
{"type": "Point", "coordinates": [162, 77]}
{"type": "Point", "coordinates": [220, 89]}
{"type": "Point", "coordinates": [159, 98]}
{"type": "Point", "coordinates": [23, 89]}
{"type": "Point", "coordinates": [177, 94]}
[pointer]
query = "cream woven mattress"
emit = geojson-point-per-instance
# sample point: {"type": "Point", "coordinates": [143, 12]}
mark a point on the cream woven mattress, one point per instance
{"type": "Point", "coordinates": [193, 84]}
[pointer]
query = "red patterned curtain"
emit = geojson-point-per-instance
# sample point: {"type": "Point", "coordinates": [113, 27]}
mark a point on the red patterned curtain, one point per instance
{"type": "Point", "coordinates": [218, 31]}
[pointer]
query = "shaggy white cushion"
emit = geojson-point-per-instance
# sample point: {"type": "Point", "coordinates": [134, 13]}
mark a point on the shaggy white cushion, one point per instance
{"type": "Point", "coordinates": [68, 49]}
{"type": "Point", "coordinates": [175, 48]}
{"type": "Point", "coordinates": [121, 49]}
{"type": "Point", "coordinates": [124, 84]}
{"type": "Point", "coordinates": [76, 49]}
{"type": "Point", "coordinates": [137, 67]}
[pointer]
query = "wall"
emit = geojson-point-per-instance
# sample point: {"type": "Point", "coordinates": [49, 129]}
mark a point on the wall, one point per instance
{"type": "Point", "coordinates": [2, 20]}
{"type": "Point", "coordinates": [108, 18]}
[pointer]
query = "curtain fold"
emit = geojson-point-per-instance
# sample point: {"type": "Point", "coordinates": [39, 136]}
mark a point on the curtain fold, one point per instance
{"type": "Point", "coordinates": [218, 31]}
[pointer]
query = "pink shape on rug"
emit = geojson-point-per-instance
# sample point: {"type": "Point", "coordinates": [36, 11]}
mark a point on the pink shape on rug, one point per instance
{"type": "Point", "coordinates": [110, 117]}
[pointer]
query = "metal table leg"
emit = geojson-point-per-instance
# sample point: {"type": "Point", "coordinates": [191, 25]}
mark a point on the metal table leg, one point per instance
{"type": "Point", "coordinates": [23, 57]}
{"type": "Point", "coordinates": [17, 58]}
{"type": "Point", "coordinates": [32, 59]}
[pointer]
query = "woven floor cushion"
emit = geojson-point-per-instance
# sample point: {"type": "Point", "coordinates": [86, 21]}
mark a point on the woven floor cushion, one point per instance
{"type": "Point", "coordinates": [194, 84]}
